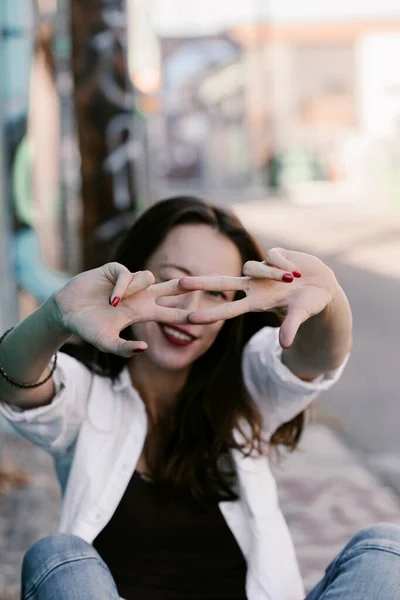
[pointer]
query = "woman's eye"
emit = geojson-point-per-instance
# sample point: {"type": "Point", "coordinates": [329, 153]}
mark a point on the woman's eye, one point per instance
{"type": "Point", "coordinates": [218, 295]}
{"type": "Point", "coordinates": [169, 275]}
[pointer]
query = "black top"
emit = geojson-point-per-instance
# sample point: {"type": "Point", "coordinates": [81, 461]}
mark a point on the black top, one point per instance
{"type": "Point", "coordinates": [169, 549]}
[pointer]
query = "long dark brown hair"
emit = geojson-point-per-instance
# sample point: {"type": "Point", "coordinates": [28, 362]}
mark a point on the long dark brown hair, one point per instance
{"type": "Point", "coordinates": [187, 447]}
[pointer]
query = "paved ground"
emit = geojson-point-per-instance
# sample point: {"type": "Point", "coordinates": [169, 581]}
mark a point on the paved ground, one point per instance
{"type": "Point", "coordinates": [327, 495]}
{"type": "Point", "coordinates": [28, 512]}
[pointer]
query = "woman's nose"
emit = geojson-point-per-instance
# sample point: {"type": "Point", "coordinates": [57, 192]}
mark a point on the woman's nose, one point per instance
{"type": "Point", "coordinates": [191, 301]}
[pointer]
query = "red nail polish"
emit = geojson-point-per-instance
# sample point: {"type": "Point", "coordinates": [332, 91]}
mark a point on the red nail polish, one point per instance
{"type": "Point", "coordinates": [287, 277]}
{"type": "Point", "coordinates": [115, 301]}
{"type": "Point", "coordinates": [296, 273]}
{"type": "Point", "coordinates": [138, 351]}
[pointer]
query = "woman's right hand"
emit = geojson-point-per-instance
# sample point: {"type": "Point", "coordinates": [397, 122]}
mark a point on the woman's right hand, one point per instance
{"type": "Point", "coordinates": [84, 306]}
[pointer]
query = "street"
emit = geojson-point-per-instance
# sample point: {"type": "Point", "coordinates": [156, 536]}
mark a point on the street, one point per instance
{"type": "Point", "coordinates": [363, 248]}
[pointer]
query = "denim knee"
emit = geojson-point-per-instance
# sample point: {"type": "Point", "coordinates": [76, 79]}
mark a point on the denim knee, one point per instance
{"type": "Point", "coordinates": [65, 566]}
{"type": "Point", "coordinates": [380, 535]}
{"type": "Point", "coordinates": [52, 550]}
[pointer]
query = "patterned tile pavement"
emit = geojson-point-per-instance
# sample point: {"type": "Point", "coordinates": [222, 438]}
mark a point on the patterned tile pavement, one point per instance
{"type": "Point", "coordinates": [327, 495]}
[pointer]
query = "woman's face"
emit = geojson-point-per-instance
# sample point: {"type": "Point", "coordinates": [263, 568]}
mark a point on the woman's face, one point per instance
{"type": "Point", "coordinates": [188, 250]}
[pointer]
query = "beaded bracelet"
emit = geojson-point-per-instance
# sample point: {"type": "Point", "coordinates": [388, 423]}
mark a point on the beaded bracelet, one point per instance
{"type": "Point", "coordinates": [18, 384]}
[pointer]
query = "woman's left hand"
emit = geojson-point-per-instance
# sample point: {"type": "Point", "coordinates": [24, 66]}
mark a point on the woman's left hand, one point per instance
{"type": "Point", "coordinates": [297, 300]}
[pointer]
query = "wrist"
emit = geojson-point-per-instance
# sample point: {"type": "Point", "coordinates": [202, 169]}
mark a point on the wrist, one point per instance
{"type": "Point", "coordinates": [324, 340]}
{"type": "Point", "coordinates": [337, 313]}
{"type": "Point", "coordinates": [55, 319]}
{"type": "Point", "coordinates": [333, 329]}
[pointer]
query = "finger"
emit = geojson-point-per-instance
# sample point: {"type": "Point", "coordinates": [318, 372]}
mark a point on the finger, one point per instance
{"type": "Point", "coordinates": [121, 347]}
{"type": "Point", "coordinates": [229, 310]}
{"type": "Point", "coordinates": [276, 257]}
{"type": "Point", "coordinates": [171, 316]}
{"type": "Point", "coordinates": [167, 288]}
{"type": "Point", "coordinates": [290, 326]}
{"type": "Point", "coordinates": [122, 277]}
{"type": "Point", "coordinates": [258, 269]}
{"type": "Point", "coordinates": [215, 283]}
{"type": "Point", "coordinates": [128, 284]}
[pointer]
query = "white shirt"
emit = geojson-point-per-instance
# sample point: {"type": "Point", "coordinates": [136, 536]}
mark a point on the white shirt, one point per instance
{"type": "Point", "coordinates": [95, 430]}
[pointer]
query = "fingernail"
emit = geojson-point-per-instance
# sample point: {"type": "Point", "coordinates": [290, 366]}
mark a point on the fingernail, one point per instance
{"type": "Point", "coordinates": [138, 351]}
{"type": "Point", "coordinates": [296, 273]}
{"type": "Point", "coordinates": [115, 301]}
{"type": "Point", "coordinates": [287, 277]}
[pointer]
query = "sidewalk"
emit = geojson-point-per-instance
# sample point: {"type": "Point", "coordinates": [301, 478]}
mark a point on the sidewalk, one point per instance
{"type": "Point", "coordinates": [26, 513]}
{"type": "Point", "coordinates": [326, 494]}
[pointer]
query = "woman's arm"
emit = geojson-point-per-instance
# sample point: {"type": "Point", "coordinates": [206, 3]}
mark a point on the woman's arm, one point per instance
{"type": "Point", "coordinates": [25, 354]}
{"type": "Point", "coordinates": [96, 305]}
{"type": "Point", "coordinates": [322, 341]}
{"type": "Point", "coordinates": [279, 394]}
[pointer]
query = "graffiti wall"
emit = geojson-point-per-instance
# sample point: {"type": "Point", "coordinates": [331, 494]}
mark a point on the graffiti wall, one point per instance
{"type": "Point", "coordinates": [74, 143]}
{"type": "Point", "coordinates": [30, 151]}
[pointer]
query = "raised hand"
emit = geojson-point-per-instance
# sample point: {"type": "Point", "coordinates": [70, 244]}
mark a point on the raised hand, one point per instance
{"type": "Point", "coordinates": [98, 304]}
{"type": "Point", "coordinates": [306, 295]}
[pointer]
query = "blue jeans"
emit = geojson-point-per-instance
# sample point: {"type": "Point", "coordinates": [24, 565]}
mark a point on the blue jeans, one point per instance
{"type": "Point", "coordinates": [65, 567]}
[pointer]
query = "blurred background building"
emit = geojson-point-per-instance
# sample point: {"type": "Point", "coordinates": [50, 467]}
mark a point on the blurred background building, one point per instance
{"type": "Point", "coordinates": [285, 100]}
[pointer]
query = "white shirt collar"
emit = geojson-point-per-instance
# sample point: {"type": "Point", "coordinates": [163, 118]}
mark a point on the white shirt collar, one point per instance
{"type": "Point", "coordinates": [123, 381]}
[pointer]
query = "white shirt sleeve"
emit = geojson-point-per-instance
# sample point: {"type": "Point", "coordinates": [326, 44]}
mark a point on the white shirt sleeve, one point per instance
{"type": "Point", "coordinates": [55, 426]}
{"type": "Point", "coordinates": [278, 393]}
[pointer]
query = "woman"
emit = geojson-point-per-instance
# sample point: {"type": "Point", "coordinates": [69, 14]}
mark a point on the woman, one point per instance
{"type": "Point", "coordinates": [160, 434]}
